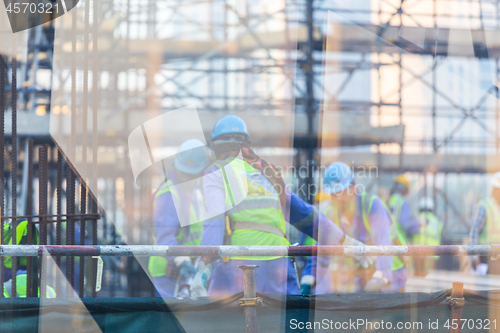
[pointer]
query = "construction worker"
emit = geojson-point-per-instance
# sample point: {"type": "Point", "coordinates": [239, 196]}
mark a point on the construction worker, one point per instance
{"type": "Point", "coordinates": [370, 222]}
{"type": "Point", "coordinates": [485, 227]}
{"type": "Point", "coordinates": [316, 277]}
{"type": "Point", "coordinates": [430, 234]}
{"type": "Point", "coordinates": [246, 199]}
{"type": "Point", "coordinates": [401, 208]}
{"type": "Point", "coordinates": [21, 283]}
{"type": "Point", "coordinates": [179, 225]}
{"type": "Point", "coordinates": [21, 235]}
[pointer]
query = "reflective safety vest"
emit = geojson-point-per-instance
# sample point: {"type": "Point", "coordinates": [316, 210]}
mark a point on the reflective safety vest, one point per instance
{"type": "Point", "coordinates": [397, 234]}
{"type": "Point", "coordinates": [252, 206]}
{"type": "Point", "coordinates": [396, 202]}
{"type": "Point", "coordinates": [188, 235]}
{"type": "Point", "coordinates": [21, 281]}
{"type": "Point", "coordinates": [22, 231]}
{"type": "Point", "coordinates": [430, 234]}
{"type": "Point", "coordinates": [491, 231]}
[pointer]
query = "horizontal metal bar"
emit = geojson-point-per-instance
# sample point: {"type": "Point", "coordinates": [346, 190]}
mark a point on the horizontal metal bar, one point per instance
{"type": "Point", "coordinates": [230, 250]}
{"type": "Point", "coordinates": [86, 216]}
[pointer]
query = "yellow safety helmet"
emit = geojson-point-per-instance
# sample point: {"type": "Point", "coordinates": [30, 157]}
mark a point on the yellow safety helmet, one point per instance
{"type": "Point", "coordinates": [403, 180]}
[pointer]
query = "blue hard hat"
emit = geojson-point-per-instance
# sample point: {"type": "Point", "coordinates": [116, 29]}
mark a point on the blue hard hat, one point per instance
{"type": "Point", "coordinates": [230, 124]}
{"type": "Point", "coordinates": [192, 157]}
{"type": "Point", "coordinates": [338, 176]}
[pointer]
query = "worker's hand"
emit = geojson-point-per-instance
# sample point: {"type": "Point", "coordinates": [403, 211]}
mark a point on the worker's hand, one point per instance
{"type": "Point", "coordinates": [199, 285]}
{"type": "Point", "coordinates": [186, 270]}
{"type": "Point", "coordinates": [364, 261]}
{"type": "Point", "coordinates": [306, 284]}
{"type": "Point", "coordinates": [376, 283]}
{"type": "Point", "coordinates": [185, 267]}
{"type": "Point", "coordinates": [474, 262]}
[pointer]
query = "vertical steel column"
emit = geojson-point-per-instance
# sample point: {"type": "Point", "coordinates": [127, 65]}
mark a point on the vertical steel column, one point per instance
{"type": "Point", "coordinates": [434, 79]}
{"type": "Point", "coordinates": [59, 212]}
{"type": "Point", "coordinates": [83, 189]}
{"type": "Point", "coordinates": [456, 302]}
{"type": "Point", "coordinates": [29, 210]}
{"type": "Point", "coordinates": [95, 84]}
{"type": "Point", "coordinates": [3, 78]}
{"type": "Point", "coordinates": [42, 208]}
{"type": "Point", "coordinates": [14, 171]}
{"type": "Point", "coordinates": [94, 242]}
{"type": "Point", "coordinates": [83, 205]}
{"type": "Point", "coordinates": [70, 232]}
{"type": "Point", "coordinates": [250, 300]}
{"type": "Point", "coordinates": [312, 141]}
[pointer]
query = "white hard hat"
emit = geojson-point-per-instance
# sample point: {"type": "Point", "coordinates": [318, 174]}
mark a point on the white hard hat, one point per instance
{"type": "Point", "coordinates": [495, 181]}
{"type": "Point", "coordinates": [426, 203]}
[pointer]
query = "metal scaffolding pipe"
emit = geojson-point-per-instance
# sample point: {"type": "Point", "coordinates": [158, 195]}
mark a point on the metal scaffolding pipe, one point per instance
{"type": "Point", "coordinates": [229, 250]}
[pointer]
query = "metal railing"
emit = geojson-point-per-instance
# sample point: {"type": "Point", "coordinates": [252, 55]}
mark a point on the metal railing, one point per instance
{"type": "Point", "coordinates": [232, 250]}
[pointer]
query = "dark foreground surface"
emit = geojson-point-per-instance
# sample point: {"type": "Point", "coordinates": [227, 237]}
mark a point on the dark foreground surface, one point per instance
{"type": "Point", "coordinates": [413, 312]}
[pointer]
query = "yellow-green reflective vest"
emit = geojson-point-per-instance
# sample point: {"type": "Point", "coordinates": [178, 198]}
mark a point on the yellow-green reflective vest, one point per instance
{"type": "Point", "coordinates": [21, 282]}
{"type": "Point", "coordinates": [397, 234]}
{"type": "Point", "coordinates": [491, 231]}
{"type": "Point", "coordinates": [259, 210]}
{"type": "Point", "coordinates": [157, 266]}
{"type": "Point", "coordinates": [430, 234]}
{"type": "Point", "coordinates": [22, 230]}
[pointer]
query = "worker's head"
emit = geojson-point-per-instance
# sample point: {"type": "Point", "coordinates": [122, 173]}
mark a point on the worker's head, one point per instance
{"type": "Point", "coordinates": [229, 133]}
{"type": "Point", "coordinates": [339, 181]}
{"type": "Point", "coordinates": [401, 185]}
{"type": "Point", "coordinates": [426, 204]}
{"type": "Point", "coordinates": [495, 187]}
{"type": "Point", "coordinates": [192, 159]}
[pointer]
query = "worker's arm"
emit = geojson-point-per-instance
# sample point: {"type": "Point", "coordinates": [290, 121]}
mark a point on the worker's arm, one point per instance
{"type": "Point", "coordinates": [407, 221]}
{"type": "Point", "coordinates": [380, 224]}
{"type": "Point", "coordinates": [477, 225]}
{"type": "Point", "coordinates": [166, 220]}
{"type": "Point", "coordinates": [214, 193]}
{"type": "Point", "coordinates": [308, 220]}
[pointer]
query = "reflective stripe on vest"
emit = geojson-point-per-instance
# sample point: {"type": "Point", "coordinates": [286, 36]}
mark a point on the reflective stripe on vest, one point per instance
{"type": "Point", "coordinates": [188, 235]}
{"type": "Point", "coordinates": [251, 200]}
{"type": "Point", "coordinates": [396, 202]}
{"type": "Point", "coordinates": [491, 232]}
{"type": "Point", "coordinates": [396, 232]}
{"type": "Point", "coordinates": [21, 231]}
{"type": "Point", "coordinates": [21, 281]}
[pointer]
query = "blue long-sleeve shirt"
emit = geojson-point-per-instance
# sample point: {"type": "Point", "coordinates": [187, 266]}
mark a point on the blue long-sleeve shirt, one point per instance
{"type": "Point", "coordinates": [405, 218]}
{"type": "Point", "coordinates": [380, 226]}
{"type": "Point", "coordinates": [477, 225]}
{"type": "Point", "coordinates": [166, 217]}
{"type": "Point", "coordinates": [299, 213]}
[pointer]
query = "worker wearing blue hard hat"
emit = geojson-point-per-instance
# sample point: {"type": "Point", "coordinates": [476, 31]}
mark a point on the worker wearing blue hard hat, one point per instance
{"type": "Point", "coordinates": [248, 199]}
{"type": "Point", "coordinates": [179, 224]}
{"type": "Point", "coordinates": [370, 222]}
